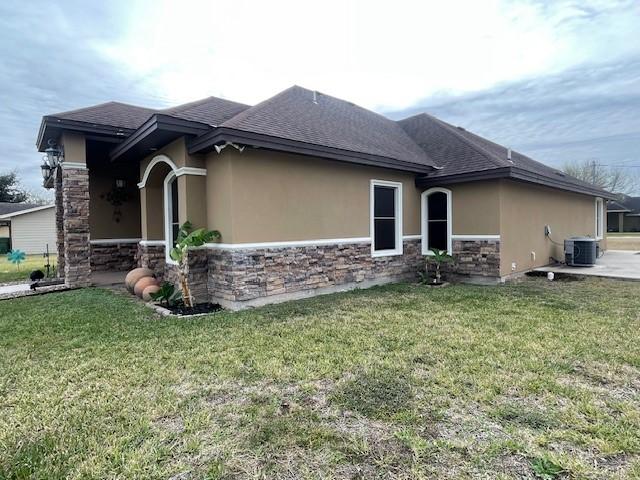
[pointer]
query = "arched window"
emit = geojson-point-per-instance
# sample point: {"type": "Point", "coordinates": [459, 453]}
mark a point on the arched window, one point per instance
{"type": "Point", "coordinates": [436, 220]}
{"type": "Point", "coordinates": [171, 220]}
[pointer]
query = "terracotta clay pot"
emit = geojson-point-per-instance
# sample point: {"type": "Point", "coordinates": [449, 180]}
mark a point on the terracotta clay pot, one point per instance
{"type": "Point", "coordinates": [146, 293]}
{"type": "Point", "coordinates": [143, 283]}
{"type": "Point", "coordinates": [134, 275]}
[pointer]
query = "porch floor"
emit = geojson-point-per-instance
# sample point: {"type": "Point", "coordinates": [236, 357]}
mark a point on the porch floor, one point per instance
{"type": "Point", "coordinates": [108, 279]}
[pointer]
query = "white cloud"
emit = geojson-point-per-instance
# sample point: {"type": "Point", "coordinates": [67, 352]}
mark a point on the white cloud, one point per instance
{"type": "Point", "coordinates": [377, 53]}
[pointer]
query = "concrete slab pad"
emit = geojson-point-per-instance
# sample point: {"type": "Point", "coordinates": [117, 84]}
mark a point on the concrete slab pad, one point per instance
{"type": "Point", "coordinates": [619, 264]}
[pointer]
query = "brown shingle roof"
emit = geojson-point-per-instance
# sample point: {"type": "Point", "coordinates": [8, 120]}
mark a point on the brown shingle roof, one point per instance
{"type": "Point", "coordinates": [210, 110]}
{"type": "Point", "coordinates": [113, 114]}
{"type": "Point", "coordinates": [330, 122]}
{"type": "Point", "coordinates": [459, 151]}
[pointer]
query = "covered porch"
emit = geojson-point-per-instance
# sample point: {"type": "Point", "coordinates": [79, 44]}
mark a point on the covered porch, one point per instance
{"type": "Point", "coordinates": [112, 216]}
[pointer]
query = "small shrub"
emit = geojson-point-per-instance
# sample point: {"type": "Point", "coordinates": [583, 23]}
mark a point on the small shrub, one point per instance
{"type": "Point", "coordinates": [376, 393]}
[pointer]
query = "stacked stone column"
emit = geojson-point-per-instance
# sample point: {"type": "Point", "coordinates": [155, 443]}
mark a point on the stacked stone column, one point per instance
{"type": "Point", "coordinates": [75, 203]}
{"type": "Point", "coordinates": [59, 222]}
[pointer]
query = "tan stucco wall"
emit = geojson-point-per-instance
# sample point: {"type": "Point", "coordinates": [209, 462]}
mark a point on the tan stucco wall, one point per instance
{"type": "Point", "coordinates": [177, 152]}
{"type": "Point", "coordinates": [281, 197]}
{"type": "Point", "coordinates": [192, 203]}
{"type": "Point", "coordinates": [526, 209]}
{"type": "Point", "coordinates": [476, 208]}
{"type": "Point", "coordinates": [218, 191]}
{"type": "Point", "coordinates": [102, 224]}
{"type": "Point", "coordinates": [74, 147]}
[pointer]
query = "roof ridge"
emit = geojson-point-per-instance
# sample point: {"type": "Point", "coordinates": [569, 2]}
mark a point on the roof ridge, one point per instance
{"type": "Point", "coordinates": [194, 103]}
{"type": "Point", "coordinates": [252, 108]}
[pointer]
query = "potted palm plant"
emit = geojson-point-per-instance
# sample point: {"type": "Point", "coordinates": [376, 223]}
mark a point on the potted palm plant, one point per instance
{"type": "Point", "coordinates": [439, 258]}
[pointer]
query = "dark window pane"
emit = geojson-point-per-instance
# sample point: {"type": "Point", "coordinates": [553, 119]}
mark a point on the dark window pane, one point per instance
{"type": "Point", "coordinates": [175, 228]}
{"type": "Point", "coordinates": [438, 206]}
{"type": "Point", "coordinates": [174, 201]}
{"type": "Point", "coordinates": [384, 202]}
{"type": "Point", "coordinates": [384, 234]}
{"type": "Point", "coordinates": [438, 235]}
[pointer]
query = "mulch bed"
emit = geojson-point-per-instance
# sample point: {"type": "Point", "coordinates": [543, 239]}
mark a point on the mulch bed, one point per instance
{"type": "Point", "coordinates": [182, 311]}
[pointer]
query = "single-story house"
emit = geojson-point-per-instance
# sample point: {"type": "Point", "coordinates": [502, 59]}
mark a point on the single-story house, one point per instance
{"type": "Point", "coordinates": [30, 228]}
{"type": "Point", "coordinates": [623, 215]}
{"type": "Point", "coordinates": [310, 193]}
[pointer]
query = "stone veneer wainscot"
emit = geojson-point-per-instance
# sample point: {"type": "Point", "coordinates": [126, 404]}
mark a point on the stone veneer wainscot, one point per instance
{"type": "Point", "coordinates": [240, 278]}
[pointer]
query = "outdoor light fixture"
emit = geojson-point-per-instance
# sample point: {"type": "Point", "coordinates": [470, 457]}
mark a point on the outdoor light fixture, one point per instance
{"type": "Point", "coordinates": [46, 170]}
{"type": "Point", "coordinates": [53, 154]}
{"type": "Point", "coordinates": [52, 158]}
{"type": "Point", "coordinates": [120, 183]}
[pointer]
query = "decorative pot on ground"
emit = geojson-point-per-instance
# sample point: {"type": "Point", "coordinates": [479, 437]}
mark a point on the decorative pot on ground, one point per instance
{"type": "Point", "coordinates": [142, 284]}
{"type": "Point", "coordinates": [146, 293]}
{"type": "Point", "coordinates": [134, 275]}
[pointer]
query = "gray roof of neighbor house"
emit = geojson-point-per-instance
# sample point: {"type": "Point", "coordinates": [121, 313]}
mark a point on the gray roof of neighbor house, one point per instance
{"type": "Point", "coordinates": [311, 123]}
{"type": "Point", "coordinates": [627, 204]}
{"type": "Point", "coordinates": [463, 155]}
{"type": "Point", "coordinates": [7, 208]}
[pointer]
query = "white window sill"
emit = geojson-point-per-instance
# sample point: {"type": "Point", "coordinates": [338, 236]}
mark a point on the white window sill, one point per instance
{"type": "Point", "coordinates": [386, 253]}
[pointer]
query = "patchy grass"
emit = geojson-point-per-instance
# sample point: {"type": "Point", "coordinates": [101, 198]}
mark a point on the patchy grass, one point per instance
{"type": "Point", "coordinates": [532, 380]}
{"type": "Point", "coordinates": [11, 273]}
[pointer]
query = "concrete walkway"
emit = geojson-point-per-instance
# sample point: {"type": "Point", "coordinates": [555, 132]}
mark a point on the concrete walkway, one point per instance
{"type": "Point", "coordinates": [620, 264]}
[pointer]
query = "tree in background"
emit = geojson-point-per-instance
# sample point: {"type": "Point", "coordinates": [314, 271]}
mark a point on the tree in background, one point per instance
{"type": "Point", "coordinates": [10, 189]}
{"type": "Point", "coordinates": [614, 179]}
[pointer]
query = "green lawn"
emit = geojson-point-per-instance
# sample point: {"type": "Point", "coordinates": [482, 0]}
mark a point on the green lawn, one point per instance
{"type": "Point", "coordinates": [11, 273]}
{"type": "Point", "coordinates": [401, 381]}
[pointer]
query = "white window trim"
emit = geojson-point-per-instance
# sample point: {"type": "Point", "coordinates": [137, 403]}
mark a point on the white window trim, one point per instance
{"type": "Point", "coordinates": [168, 217]}
{"type": "Point", "coordinates": [398, 214]}
{"type": "Point", "coordinates": [424, 211]}
{"type": "Point", "coordinates": [178, 171]}
{"type": "Point", "coordinates": [599, 210]}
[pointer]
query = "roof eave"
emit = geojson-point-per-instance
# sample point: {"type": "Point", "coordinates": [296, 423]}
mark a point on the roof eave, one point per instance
{"type": "Point", "coordinates": [512, 173]}
{"type": "Point", "coordinates": [207, 142]}
{"type": "Point", "coordinates": [49, 122]}
{"type": "Point", "coordinates": [156, 132]}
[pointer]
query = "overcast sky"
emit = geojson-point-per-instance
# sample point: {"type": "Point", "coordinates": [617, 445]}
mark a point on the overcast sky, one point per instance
{"type": "Point", "coordinates": [557, 80]}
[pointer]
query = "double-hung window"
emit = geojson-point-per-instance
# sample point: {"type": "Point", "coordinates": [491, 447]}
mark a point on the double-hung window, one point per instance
{"type": "Point", "coordinates": [386, 218]}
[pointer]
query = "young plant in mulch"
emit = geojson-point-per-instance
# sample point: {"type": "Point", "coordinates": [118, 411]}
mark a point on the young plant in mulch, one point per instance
{"type": "Point", "coordinates": [167, 295]}
{"type": "Point", "coordinates": [189, 238]}
{"type": "Point", "coordinates": [439, 258]}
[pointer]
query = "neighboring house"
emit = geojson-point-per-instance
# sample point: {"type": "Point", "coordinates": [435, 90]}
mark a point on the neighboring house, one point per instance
{"type": "Point", "coordinates": [311, 194]}
{"type": "Point", "coordinates": [30, 227]}
{"type": "Point", "coordinates": [623, 215]}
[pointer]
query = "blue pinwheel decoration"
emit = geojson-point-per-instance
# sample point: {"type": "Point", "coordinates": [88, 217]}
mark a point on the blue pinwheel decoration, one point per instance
{"type": "Point", "coordinates": [16, 257]}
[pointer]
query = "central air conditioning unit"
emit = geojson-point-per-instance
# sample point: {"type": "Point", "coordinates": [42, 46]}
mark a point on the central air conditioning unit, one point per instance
{"type": "Point", "coordinates": [580, 251]}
